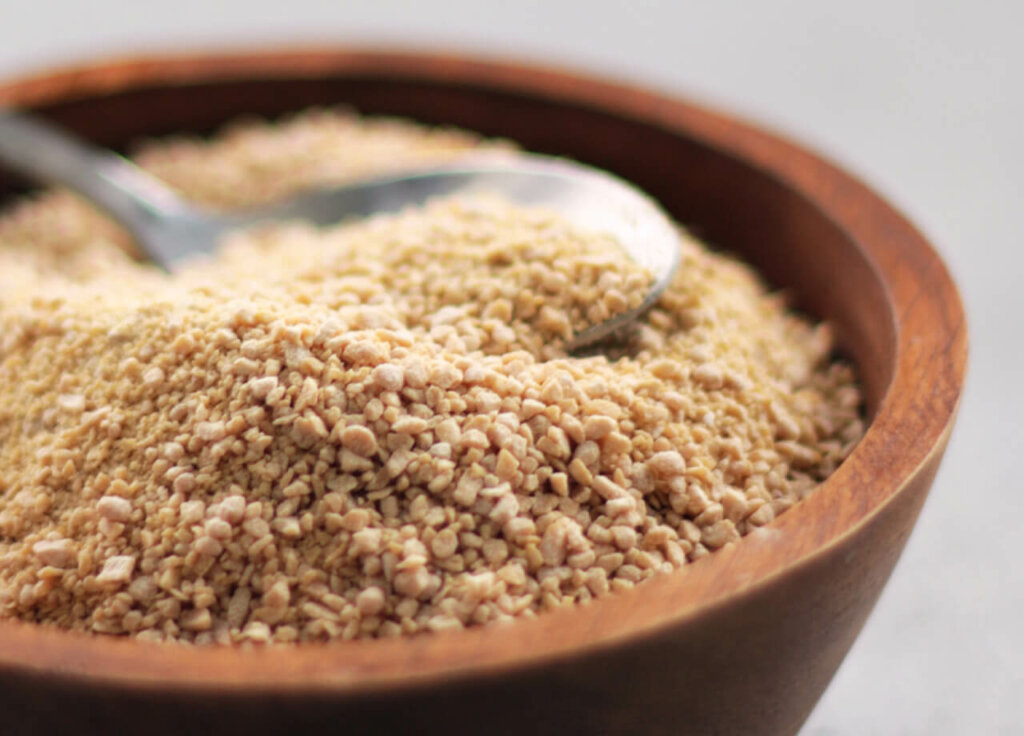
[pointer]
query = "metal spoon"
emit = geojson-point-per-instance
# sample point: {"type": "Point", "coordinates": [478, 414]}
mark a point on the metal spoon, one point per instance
{"type": "Point", "coordinates": [169, 229]}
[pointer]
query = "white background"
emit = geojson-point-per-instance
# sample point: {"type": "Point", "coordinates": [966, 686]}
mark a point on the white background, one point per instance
{"type": "Point", "coordinates": [923, 99]}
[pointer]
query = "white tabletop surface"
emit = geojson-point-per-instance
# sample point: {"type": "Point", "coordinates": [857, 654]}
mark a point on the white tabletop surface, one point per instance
{"type": "Point", "coordinates": [925, 100]}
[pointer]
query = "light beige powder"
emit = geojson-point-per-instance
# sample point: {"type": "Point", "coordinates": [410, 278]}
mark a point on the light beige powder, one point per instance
{"type": "Point", "coordinates": [370, 430]}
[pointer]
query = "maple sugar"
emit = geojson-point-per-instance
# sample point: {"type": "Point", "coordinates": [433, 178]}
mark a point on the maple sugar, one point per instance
{"type": "Point", "coordinates": [371, 429]}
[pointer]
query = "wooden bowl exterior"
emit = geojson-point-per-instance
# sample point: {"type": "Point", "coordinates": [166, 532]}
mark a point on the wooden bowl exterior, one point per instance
{"type": "Point", "coordinates": [743, 641]}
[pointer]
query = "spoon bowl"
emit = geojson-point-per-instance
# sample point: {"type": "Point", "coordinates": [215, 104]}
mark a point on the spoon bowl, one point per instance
{"type": "Point", "coordinates": [170, 230]}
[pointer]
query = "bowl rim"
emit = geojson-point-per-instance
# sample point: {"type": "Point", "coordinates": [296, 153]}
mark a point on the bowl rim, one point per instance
{"type": "Point", "coordinates": [910, 427]}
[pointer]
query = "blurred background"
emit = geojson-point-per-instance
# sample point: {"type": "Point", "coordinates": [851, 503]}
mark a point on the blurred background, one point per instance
{"type": "Point", "coordinates": [924, 100]}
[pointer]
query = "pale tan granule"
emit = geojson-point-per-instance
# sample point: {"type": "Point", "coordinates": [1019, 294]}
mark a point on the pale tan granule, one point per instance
{"type": "Point", "coordinates": [367, 430]}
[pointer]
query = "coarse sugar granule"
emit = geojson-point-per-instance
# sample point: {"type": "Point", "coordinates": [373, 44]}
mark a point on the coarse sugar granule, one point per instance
{"type": "Point", "coordinates": [370, 429]}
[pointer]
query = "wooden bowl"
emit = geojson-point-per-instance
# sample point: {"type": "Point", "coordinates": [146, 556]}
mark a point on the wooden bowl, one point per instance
{"type": "Point", "coordinates": [743, 641]}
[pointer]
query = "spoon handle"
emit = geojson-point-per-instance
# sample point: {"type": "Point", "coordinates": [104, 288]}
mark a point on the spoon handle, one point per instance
{"type": "Point", "coordinates": [38, 150]}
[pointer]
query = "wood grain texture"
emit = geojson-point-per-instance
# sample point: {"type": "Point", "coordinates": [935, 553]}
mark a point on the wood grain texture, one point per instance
{"type": "Point", "coordinates": [743, 641]}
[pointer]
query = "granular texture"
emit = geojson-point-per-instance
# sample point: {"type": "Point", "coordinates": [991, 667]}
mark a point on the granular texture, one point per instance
{"type": "Point", "coordinates": [370, 429]}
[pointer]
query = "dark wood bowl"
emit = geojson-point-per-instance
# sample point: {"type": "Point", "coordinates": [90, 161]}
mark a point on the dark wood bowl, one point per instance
{"type": "Point", "coordinates": [741, 642]}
